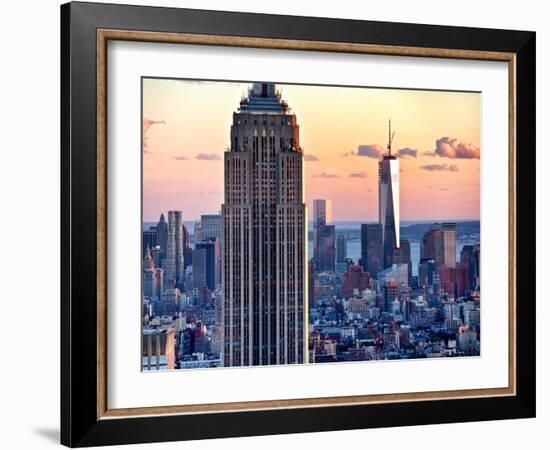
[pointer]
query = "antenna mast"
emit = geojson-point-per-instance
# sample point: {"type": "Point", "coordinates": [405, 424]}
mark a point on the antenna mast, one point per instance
{"type": "Point", "coordinates": [390, 138]}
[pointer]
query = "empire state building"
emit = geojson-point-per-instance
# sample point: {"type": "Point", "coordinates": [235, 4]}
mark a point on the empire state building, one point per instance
{"type": "Point", "coordinates": [264, 308]}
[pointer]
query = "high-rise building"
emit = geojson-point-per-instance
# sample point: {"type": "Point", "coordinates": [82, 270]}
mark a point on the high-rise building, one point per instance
{"type": "Point", "coordinates": [212, 230]}
{"type": "Point", "coordinates": [264, 252]}
{"type": "Point", "coordinates": [467, 340]}
{"type": "Point", "coordinates": [187, 250]}
{"type": "Point", "coordinates": [158, 283]}
{"type": "Point", "coordinates": [341, 252]}
{"type": "Point", "coordinates": [162, 236]}
{"type": "Point", "coordinates": [462, 280]}
{"type": "Point", "coordinates": [322, 212]}
{"type": "Point", "coordinates": [169, 301]}
{"type": "Point", "coordinates": [469, 255]}
{"type": "Point", "coordinates": [447, 280]}
{"type": "Point", "coordinates": [402, 255]}
{"type": "Point", "coordinates": [197, 233]}
{"type": "Point", "coordinates": [439, 244]}
{"type": "Point", "coordinates": [158, 349]}
{"type": "Point", "coordinates": [312, 300]}
{"type": "Point", "coordinates": [174, 249]}
{"type": "Point", "coordinates": [324, 248]}
{"type": "Point", "coordinates": [152, 278]}
{"type": "Point", "coordinates": [148, 274]}
{"type": "Point", "coordinates": [205, 265]}
{"type": "Point", "coordinates": [211, 227]}
{"type": "Point", "coordinates": [397, 272]}
{"type": "Point", "coordinates": [324, 236]}
{"type": "Point", "coordinates": [149, 240]}
{"type": "Point", "coordinates": [371, 248]}
{"type": "Point", "coordinates": [157, 256]}
{"type": "Point", "coordinates": [390, 293]}
{"type": "Point", "coordinates": [355, 279]}
{"type": "Point", "coordinates": [388, 204]}
{"type": "Point", "coordinates": [445, 245]}
{"type": "Point", "coordinates": [426, 272]}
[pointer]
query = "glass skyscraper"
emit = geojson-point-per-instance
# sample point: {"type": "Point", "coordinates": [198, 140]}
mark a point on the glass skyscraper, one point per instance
{"type": "Point", "coordinates": [388, 205]}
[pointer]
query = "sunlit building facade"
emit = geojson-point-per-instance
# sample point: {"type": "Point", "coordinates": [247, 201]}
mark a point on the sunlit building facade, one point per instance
{"type": "Point", "coordinates": [388, 206]}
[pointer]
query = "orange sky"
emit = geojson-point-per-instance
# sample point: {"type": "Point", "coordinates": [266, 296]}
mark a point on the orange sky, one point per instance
{"type": "Point", "coordinates": [187, 127]}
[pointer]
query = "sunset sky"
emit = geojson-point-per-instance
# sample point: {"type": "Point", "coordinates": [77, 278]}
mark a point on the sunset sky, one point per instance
{"type": "Point", "coordinates": [343, 131]}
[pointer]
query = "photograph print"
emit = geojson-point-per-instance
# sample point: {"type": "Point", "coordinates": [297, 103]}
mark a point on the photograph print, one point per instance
{"type": "Point", "coordinates": [306, 224]}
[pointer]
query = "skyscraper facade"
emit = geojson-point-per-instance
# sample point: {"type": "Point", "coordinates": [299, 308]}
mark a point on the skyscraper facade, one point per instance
{"type": "Point", "coordinates": [396, 272]}
{"type": "Point", "coordinates": [264, 238]}
{"type": "Point", "coordinates": [149, 240]}
{"type": "Point", "coordinates": [439, 244]}
{"type": "Point", "coordinates": [205, 265]}
{"type": "Point", "coordinates": [324, 248]}
{"type": "Point", "coordinates": [341, 252]}
{"type": "Point", "coordinates": [445, 246]}
{"type": "Point", "coordinates": [212, 230]}
{"type": "Point", "coordinates": [402, 255]}
{"type": "Point", "coordinates": [469, 256]}
{"type": "Point", "coordinates": [354, 279]}
{"type": "Point", "coordinates": [371, 248]}
{"type": "Point", "coordinates": [174, 249]}
{"type": "Point", "coordinates": [187, 251]}
{"type": "Point", "coordinates": [388, 205]}
{"type": "Point", "coordinates": [148, 274]}
{"type": "Point", "coordinates": [197, 233]}
{"type": "Point", "coordinates": [322, 212]}
{"type": "Point", "coordinates": [426, 272]}
{"type": "Point", "coordinates": [211, 227]}
{"type": "Point", "coordinates": [162, 236]}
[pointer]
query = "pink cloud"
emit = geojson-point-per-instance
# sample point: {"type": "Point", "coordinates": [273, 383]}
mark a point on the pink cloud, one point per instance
{"type": "Point", "coordinates": [148, 123]}
{"type": "Point", "coordinates": [370, 150]}
{"type": "Point", "coordinates": [454, 148]}
{"type": "Point", "coordinates": [440, 167]}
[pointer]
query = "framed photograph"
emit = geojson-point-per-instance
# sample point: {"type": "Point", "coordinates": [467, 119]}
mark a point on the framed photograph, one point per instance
{"type": "Point", "coordinates": [277, 224]}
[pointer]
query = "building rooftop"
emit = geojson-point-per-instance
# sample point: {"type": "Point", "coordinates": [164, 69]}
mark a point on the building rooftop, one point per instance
{"type": "Point", "coordinates": [263, 98]}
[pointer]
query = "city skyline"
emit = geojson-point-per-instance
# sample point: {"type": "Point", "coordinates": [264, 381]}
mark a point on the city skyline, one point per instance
{"type": "Point", "coordinates": [246, 291]}
{"type": "Point", "coordinates": [183, 154]}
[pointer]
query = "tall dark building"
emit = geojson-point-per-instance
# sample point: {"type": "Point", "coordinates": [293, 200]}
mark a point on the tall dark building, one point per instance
{"type": "Point", "coordinates": [462, 280]}
{"type": "Point", "coordinates": [324, 240]}
{"type": "Point", "coordinates": [439, 244]}
{"type": "Point", "coordinates": [341, 252]}
{"type": "Point", "coordinates": [205, 265]}
{"type": "Point", "coordinates": [426, 268]}
{"type": "Point", "coordinates": [402, 255]}
{"type": "Point", "coordinates": [469, 256]}
{"type": "Point", "coordinates": [162, 236]}
{"type": "Point", "coordinates": [312, 300]}
{"type": "Point", "coordinates": [322, 212]}
{"type": "Point", "coordinates": [149, 240]}
{"type": "Point", "coordinates": [371, 248]}
{"type": "Point", "coordinates": [388, 204]}
{"type": "Point", "coordinates": [264, 237]}
{"type": "Point", "coordinates": [187, 250]}
{"type": "Point", "coordinates": [212, 229]}
{"type": "Point", "coordinates": [390, 292]}
{"type": "Point", "coordinates": [174, 249]}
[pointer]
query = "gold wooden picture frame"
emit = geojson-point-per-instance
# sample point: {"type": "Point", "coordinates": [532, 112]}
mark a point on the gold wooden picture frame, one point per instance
{"type": "Point", "coordinates": [86, 34]}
